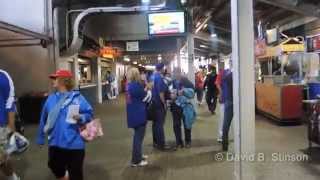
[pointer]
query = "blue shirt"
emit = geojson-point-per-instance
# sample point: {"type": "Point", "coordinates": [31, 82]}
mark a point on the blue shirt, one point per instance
{"type": "Point", "coordinates": [158, 87]}
{"type": "Point", "coordinates": [65, 135]}
{"type": "Point", "coordinates": [136, 108]}
{"type": "Point", "coordinates": [6, 97]}
{"type": "Point", "coordinates": [227, 87]}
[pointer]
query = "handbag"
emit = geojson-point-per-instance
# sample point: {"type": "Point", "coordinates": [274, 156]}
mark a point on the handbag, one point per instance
{"type": "Point", "coordinates": [92, 130]}
{"type": "Point", "coordinates": [151, 111]}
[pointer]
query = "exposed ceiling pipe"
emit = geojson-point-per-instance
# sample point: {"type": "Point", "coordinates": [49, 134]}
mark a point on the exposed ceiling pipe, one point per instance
{"type": "Point", "coordinates": [77, 42]}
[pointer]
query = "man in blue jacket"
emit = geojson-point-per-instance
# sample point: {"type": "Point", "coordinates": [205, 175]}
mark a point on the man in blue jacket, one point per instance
{"type": "Point", "coordinates": [7, 114]}
{"type": "Point", "coordinates": [158, 99]}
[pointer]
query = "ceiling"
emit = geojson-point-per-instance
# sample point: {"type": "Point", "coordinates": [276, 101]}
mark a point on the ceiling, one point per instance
{"type": "Point", "coordinates": [214, 16]}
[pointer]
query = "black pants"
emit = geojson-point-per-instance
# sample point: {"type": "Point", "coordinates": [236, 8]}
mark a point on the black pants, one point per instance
{"type": "Point", "coordinates": [199, 92]}
{"type": "Point", "coordinates": [158, 127]}
{"type": "Point", "coordinates": [177, 116]}
{"type": "Point", "coordinates": [63, 160]}
{"type": "Point", "coordinates": [211, 99]}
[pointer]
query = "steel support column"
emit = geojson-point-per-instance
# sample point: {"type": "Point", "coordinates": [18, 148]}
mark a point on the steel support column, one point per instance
{"type": "Point", "coordinates": [99, 81]}
{"type": "Point", "coordinates": [243, 85]}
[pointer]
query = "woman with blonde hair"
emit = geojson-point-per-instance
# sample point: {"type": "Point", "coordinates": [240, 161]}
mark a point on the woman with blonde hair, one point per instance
{"type": "Point", "coordinates": [63, 114]}
{"type": "Point", "coordinates": [136, 115]}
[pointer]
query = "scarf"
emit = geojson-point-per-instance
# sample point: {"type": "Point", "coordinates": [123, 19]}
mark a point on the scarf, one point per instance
{"type": "Point", "coordinates": [53, 114]}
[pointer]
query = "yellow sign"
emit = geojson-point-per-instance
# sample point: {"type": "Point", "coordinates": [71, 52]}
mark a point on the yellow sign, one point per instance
{"type": "Point", "coordinates": [292, 47]}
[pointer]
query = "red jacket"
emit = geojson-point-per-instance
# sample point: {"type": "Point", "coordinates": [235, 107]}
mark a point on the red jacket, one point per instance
{"type": "Point", "coordinates": [199, 80]}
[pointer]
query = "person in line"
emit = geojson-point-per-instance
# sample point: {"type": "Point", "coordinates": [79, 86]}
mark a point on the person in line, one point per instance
{"type": "Point", "coordinates": [209, 84]}
{"type": "Point", "coordinates": [219, 87]}
{"type": "Point", "coordinates": [179, 84]}
{"type": "Point", "coordinates": [227, 96]}
{"type": "Point", "coordinates": [63, 114]}
{"type": "Point", "coordinates": [7, 122]}
{"type": "Point", "coordinates": [136, 115]}
{"type": "Point", "coordinates": [110, 80]}
{"type": "Point", "coordinates": [159, 101]}
{"type": "Point", "coordinates": [199, 85]}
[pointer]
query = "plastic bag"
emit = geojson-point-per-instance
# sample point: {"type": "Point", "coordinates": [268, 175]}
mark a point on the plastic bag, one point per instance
{"type": "Point", "coordinates": [16, 144]}
{"type": "Point", "coordinates": [92, 130]}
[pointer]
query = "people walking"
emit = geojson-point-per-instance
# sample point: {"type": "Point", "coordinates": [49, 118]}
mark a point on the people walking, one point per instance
{"type": "Point", "coordinates": [136, 115]}
{"type": "Point", "coordinates": [199, 85]}
{"type": "Point", "coordinates": [7, 122]}
{"type": "Point", "coordinates": [63, 114]}
{"type": "Point", "coordinates": [159, 101]}
{"type": "Point", "coordinates": [111, 85]}
{"type": "Point", "coordinates": [227, 98]}
{"type": "Point", "coordinates": [180, 101]}
{"type": "Point", "coordinates": [210, 86]}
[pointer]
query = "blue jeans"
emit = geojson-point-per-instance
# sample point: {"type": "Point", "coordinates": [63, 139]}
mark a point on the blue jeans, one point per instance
{"type": "Point", "coordinates": [139, 133]}
{"type": "Point", "coordinates": [158, 127]}
{"type": "Point", "coordinates": [228, 116]}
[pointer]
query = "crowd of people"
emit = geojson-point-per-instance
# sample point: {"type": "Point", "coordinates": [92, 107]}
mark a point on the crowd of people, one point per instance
{"type": "Point", "coordinates": [149, 96]}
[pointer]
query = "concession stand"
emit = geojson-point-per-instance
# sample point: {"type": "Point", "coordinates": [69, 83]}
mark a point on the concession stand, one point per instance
{"type": "Point", "coordinates": [279, 89]}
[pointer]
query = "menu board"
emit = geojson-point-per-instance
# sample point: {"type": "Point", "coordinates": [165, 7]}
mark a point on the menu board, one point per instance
{"type": "Point", "coordinates": [166, 23]}
{"type": "Point", "coordinates": [313, 43]}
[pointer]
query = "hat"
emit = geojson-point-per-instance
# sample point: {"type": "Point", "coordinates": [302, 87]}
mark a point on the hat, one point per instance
{"type": "Point", "coordinates": [159, 66]}
{"type": "Point", "coordinates": [61, 73]}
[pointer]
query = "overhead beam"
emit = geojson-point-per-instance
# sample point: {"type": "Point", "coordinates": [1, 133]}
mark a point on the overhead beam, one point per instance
{"type": "Point", "coordinates": [303, 9]}
{"type": "Point", "coordinates": [23, 31]}
{"type": "Point", "coordinates": [220, 8]}
{"type": "Point", "coordinates": [297, 23]}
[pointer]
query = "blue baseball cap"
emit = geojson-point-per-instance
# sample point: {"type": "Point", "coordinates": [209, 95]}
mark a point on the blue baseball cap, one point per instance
{"type": "Point", "coordinates": [159, 66]}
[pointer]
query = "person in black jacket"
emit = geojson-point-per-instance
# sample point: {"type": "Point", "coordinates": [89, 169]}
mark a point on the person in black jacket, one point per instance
{"type": "Point", "coordinates": [212, 91]}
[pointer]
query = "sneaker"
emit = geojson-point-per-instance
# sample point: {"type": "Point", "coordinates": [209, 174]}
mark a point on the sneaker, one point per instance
{"type": "Point", "coordinates": [188, 145]}
{"type": "Point", "coordinates": [219, 140]}
{"type": "Point", "coordinates": [141, 164]}
{"type": "Point", "coordinates": [178, 146]}
{"type": "Point", "coordinates": [145, 157]}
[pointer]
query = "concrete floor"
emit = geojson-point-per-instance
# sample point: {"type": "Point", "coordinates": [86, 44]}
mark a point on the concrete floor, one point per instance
{"type": "Point", "coordinates": [108, 158]}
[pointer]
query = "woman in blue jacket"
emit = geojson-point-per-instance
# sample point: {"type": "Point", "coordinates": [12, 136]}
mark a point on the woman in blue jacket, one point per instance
{"type": "Point", "coordinates": [136, 115]}
{"type": "Point", "coordinates": [64, 112]}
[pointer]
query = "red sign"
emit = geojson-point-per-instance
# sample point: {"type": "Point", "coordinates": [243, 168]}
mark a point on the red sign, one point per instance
{"type": "Point", "coordinates": [316, 43]}
{"type": "Point", "coordinates": [109, 52]}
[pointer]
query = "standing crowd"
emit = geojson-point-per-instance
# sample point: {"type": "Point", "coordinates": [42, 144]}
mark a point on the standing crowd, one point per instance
{"type": "Point", "coordinates": [66, 115]}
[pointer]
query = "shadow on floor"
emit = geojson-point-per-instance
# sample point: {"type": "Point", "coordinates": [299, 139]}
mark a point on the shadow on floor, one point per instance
{"type": "Point", "coordinates": [96, 172]}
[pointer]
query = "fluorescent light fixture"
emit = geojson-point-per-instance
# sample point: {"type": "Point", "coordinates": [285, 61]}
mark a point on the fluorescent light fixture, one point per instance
{"type": "Point", "coordinates": [135, 62]}
{"type": "Point", "coordinates": [159, 57]}
{"type": "Point", "coordinates": [213, 35]}
{"type": "Point", "coordinates": [198, 24]}
{"type": "Point", "coordinates": [126, 58]}
{"type": "Point", "coordinates": [205, 26]}
{"type": "Point", "coordinates": [150, 67]}
{"type": "Point", "coordinates": [145, 1]}
{"type": "Point", "coordinates": [140, 65]}
{"type": "Point", "coordinates": [203, 46]}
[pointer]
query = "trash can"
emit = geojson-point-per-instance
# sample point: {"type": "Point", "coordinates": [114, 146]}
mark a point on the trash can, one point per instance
{"type": "Point", "coordinates": [31, 106]}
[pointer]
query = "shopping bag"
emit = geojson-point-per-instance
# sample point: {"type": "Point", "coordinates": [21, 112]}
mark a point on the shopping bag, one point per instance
{"type": "Point", "coordinates": [92, 130]}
